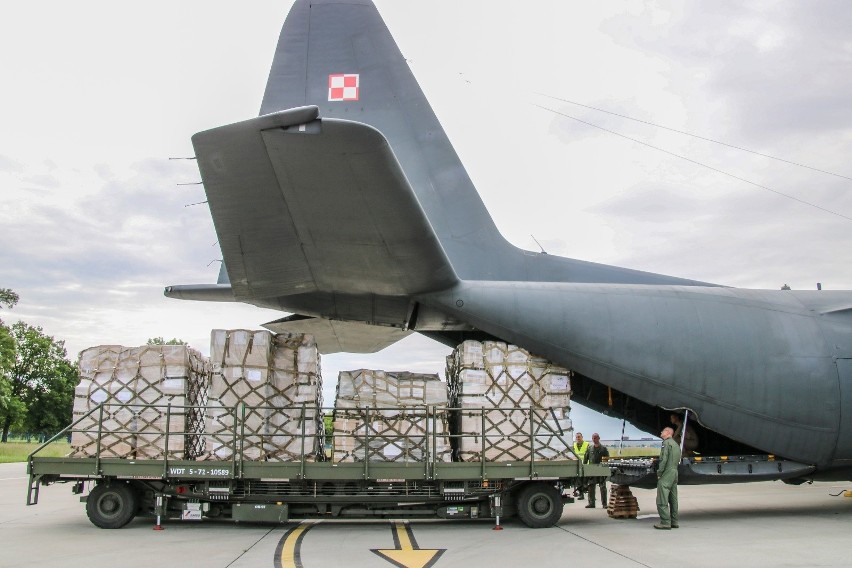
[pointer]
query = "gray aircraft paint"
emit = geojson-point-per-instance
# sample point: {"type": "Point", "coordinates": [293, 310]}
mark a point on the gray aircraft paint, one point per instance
{"type": "Point", "coordinates": [360, 211]}
{"type": "Point", "coordinates": [351, 37]}
{"type": "Point", "coordinates": [754, 364]}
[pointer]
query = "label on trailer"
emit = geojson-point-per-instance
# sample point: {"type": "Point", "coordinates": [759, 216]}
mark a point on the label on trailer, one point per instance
{"type": "Point", "coordinates": [189, 515]}
{"type": "Point", "coordinates": [200, 471]}
{"type": "Point", "coordinates": [459, 512]}
{"type": "Point", "coordinates": [261, 512]}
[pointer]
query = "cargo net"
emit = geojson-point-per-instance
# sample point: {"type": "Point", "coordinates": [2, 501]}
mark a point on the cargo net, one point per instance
{"type": "Point", "coordinates": [153, 402]}
{"type": "Point", "coordinates": [265, 396]}
{"type": "Point", "coordinates": [390, 417]}
{"type": "Point", "coordinates": [510, 433]}
{"type": "Point", "coordinates": [508, 405]}
{"type": "Point", "coordinates": [366, 434]}
{"type": "Point", "coordinates": [264, 433]}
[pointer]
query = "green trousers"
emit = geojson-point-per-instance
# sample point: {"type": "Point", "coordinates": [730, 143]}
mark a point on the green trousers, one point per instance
{"type": "Point", "coordinates": [591, 489]}
{"type": "Point", "coordinates": [667, 498]}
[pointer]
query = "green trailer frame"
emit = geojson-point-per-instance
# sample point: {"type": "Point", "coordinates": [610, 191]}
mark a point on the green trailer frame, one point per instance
{"type": "Point", "coordinates": [277, 491]}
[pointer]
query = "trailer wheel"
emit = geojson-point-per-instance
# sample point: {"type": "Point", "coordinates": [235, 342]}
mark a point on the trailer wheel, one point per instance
{"type": "Point", "coordinates": [112, 506]}
{"type": "Point", "coordinates": [539, 505]}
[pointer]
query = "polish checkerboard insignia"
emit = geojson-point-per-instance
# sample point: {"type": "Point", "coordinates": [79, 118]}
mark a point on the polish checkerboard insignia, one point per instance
{"type": "Point", "coordinates": [343, 87]}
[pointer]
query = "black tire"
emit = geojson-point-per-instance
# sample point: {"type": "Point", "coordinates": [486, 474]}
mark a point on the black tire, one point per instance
{"type": "Point", "coordinates": [539, 505]}
{"type": "Point", "coordinates": [112, 506]}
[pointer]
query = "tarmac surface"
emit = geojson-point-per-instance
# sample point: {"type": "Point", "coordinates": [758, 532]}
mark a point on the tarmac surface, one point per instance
{"type": "Point", "coordinates": [755, 525]}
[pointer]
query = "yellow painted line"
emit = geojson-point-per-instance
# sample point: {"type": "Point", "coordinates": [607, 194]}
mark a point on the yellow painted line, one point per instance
{"type": "Point", "coordinates": [406, 553]}
{"type": "Point", "coordinates": [288, 552]}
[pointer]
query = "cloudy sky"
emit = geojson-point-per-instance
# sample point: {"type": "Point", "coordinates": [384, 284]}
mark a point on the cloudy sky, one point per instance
{"type": "Point", "coordinates": [99, 94]}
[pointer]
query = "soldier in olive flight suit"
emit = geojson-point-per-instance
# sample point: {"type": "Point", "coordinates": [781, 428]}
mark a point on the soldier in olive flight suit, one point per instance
{"type": "Point", "coordinates": [667, 482]}
{"type": "Point", "coordinates": [595, 455]}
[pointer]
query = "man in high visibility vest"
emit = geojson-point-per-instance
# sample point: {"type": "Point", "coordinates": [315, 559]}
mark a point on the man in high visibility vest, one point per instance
{"type": "Point", "coordinates": [580, 448]}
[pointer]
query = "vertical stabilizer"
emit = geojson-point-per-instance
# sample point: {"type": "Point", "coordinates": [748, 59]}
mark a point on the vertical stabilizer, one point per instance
{"type": "Point", "coordinates": [340, 56]}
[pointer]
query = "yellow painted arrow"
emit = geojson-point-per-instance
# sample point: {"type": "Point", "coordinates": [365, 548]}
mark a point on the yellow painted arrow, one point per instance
{"type": "Point", "coordinates": [406, 553]}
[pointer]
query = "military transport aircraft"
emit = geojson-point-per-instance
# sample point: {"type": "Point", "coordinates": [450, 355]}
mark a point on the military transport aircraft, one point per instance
{"type": "Point", "coordinates": [345, 203]}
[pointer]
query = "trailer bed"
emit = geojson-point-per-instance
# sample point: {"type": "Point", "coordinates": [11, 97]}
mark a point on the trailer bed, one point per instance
{"type": "Point", "coordinates": [278, 491]}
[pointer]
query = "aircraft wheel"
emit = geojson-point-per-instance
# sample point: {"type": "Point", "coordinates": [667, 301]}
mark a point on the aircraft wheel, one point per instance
{"type": "Point", "coordinates": [112, 506]}
{"type": "Point", "coordinates": [539, 505]}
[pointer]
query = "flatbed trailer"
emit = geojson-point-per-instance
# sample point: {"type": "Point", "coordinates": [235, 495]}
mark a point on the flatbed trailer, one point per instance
{"type": "Point", "coordinates": [246, 490]}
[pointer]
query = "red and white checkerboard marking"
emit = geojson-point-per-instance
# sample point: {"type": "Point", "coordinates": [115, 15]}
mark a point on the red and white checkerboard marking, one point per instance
{"type": "Point", "coordinates": [343, 87]}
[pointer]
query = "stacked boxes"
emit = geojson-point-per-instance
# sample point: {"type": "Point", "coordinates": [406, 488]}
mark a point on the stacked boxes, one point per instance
{"type": "Point", "coordinates": [100, 382]}
{"type": "Point", "coordinates": [271, 386]}
{"type": "Point", "coordinates": [510, 404]}
{"type": "Point", "coordinates": [259, 397]}
{"type": "Point", "coordinates": [136, 386]}
{"type": "Point", "coordinates": [391, 417]}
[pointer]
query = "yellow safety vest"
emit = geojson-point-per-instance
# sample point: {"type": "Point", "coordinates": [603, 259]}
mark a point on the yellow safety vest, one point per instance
{"type": "Point", "coordinates": [581, 450]}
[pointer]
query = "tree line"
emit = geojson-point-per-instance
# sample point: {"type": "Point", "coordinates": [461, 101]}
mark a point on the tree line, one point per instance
{"type": "Point", "coordinates": [37, 380]}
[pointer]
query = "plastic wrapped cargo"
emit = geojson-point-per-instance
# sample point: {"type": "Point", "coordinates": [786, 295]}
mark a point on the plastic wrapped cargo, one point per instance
{"type": "Point", "coordinates": [147, 392]}
{"type": "Point", "coordinates": [271, 386]}
{"type": "Point", "coordinates": [510, 404]}
{"type": "Point", "coordinates": [390, 417]}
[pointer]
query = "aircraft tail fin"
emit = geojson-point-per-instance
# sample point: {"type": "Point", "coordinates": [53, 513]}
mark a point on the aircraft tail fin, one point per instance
{"type": "Point", "coordinates": [339, 56]}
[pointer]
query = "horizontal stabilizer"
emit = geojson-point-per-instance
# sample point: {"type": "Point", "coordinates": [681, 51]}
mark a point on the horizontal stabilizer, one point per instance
{"type": "Point", "coordinates": [340, 336]}
{"type": "Point", "coordinates": [316, 205]}
{"type": "Point", "coordinates": [201, 292]}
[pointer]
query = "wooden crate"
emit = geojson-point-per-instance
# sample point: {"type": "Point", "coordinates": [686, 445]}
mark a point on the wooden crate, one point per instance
{"type": "Point", "coordinates": [622, 504]}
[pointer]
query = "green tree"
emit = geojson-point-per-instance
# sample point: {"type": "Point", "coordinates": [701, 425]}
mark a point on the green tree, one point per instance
{"type": "Point", "coordinates": [7, 343]}
{"type": "Point", "coordinates": [12, 408]}
{"type": "Point", "coordinates": [161, 341]}
{"type": "Point", "coordinates": [41, 381]}
{"type": "Point", "coordinates": [7, 350]}
{"type": "Point", "coordinates": [9, 405]}
{"type": "Point", "coordinates": [49, 408]}
{"type": "Point", "coordinates": [8, 298]}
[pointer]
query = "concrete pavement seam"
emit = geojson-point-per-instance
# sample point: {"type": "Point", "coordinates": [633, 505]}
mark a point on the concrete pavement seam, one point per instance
{"type": "Point", "coordinates": [231, 563]}
{"type": "Point", "coordinates": [604, 547]}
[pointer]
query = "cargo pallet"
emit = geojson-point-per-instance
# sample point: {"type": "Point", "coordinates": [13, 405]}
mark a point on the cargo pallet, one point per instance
{"type": "Point", "coordinates": [622, 504]}
{"type": "Point", "coordinates": [246, 490]}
